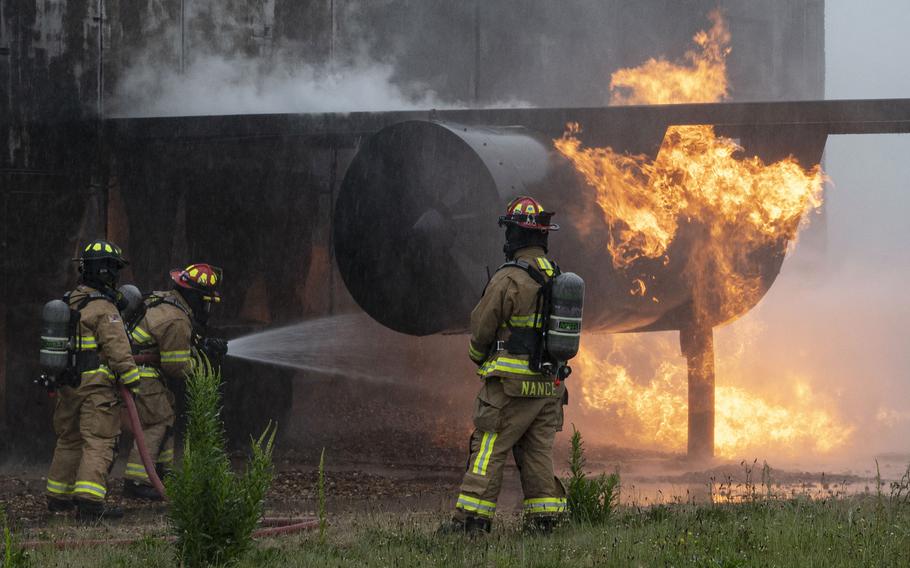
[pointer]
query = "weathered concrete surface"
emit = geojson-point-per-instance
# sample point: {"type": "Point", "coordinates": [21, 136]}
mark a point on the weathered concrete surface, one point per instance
{"type": "Point", "coordinates": [263, 207]}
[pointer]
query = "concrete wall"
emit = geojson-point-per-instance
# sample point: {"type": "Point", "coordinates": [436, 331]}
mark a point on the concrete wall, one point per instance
{"type": "Point", "coordinates": [263, 209]}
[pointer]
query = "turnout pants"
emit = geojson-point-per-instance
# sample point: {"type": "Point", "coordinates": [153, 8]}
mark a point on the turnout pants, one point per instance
{"type": "Point", "coordinates": [525, 427]}
{"type": "Point", "coordinates": [155, 405]}
{"type": "Point", "coordinates": [87, 424]}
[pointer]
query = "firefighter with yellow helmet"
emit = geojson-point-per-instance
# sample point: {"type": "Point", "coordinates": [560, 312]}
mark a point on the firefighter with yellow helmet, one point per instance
{"type": "Point", "coordinates": [164, 338]}
{"type": "Point", "coordinates": [87, 408]}
{"type": "Point", "coordinates": [519, 407]}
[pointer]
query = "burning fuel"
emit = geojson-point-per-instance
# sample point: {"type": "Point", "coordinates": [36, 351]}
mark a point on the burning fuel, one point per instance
{"type": "Point", "coordinates": [653, 412]}
{"type": "Point", "coordinates": [701, 78]}
{"type": "Point", "coordinates": [744, 205]}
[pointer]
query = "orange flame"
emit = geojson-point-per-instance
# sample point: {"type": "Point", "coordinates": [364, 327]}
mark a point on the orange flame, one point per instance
{"type": "Point", "coordinates": [658, 81]}
{"type": "Point", "coordinates": [654, 413]}
{"type": "Point", "coordinates": [743, 205]}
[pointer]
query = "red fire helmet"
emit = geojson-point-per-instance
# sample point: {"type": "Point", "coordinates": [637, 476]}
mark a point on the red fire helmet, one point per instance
{"type": "Point", "coordinates": [526, 212]}
{"type": "Point", "coordinates": [201, 277]}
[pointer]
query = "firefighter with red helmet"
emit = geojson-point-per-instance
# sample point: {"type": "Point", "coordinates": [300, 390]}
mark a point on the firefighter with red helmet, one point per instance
{"type": "Point", "coordinates": [519, 407]}
{"type": "Point", "coordinates": [87, 408]}
{"type": "Point", "coordinates": [164, 340]}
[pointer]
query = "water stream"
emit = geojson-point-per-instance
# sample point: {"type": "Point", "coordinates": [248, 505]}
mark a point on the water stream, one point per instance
{"type": "Point", "coordinates": [350, 345]}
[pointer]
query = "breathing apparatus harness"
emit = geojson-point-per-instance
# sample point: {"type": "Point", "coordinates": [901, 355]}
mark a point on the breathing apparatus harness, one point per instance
{"type": "Point", "coordinates": [62, 357]}
{"type": "Point", "coordinates": [215, 349]}
{"type": "Point", "coordinates": [533, 340]}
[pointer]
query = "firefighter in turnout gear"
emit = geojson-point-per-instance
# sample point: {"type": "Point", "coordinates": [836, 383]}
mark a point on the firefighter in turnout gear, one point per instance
{"type": "Point", "coordinates": [163, 340]}
{"type": "Point", "coordinates": [519, 408]}
{"type": "Point", "coordinates": [87, 411]}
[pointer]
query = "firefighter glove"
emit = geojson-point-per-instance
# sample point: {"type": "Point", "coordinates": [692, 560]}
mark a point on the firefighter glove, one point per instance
{"type": "Point", "coordinates": [214, 348]}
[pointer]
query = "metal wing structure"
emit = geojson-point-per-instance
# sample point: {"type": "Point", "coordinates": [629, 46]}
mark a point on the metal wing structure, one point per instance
{"type": "Point", "coordinates": [415, 238]}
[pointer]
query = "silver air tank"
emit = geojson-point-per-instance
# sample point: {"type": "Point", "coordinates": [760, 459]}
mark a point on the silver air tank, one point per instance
{"type": "Point", "coordinates": [132, 299]}
{"type": "Point", "coordinates": [55, 337]}
{"type": "Point", "coordinates": [564, 326]}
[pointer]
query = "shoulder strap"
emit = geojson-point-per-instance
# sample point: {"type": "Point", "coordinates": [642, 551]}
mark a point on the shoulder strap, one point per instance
{"type": "Point", "coordinates": [537, 276]}
{"type": "Point", "coordinates": [153, 300]}
{"type": "Point", "coordinates": [85, 301]}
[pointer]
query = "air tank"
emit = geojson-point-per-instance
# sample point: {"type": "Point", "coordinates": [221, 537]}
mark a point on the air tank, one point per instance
{"type": "Point", "coordinates": [565, 322]}
{"type": "Point", "coordinates": [416, 235]}
{"type": "Point", "coordinates": [132, 302]}
{"type": "Point", "coordinates": [55, 337]}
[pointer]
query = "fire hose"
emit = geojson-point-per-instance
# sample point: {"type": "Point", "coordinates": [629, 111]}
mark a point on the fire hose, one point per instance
{"type": "Point", "coordinates": [272, 526]}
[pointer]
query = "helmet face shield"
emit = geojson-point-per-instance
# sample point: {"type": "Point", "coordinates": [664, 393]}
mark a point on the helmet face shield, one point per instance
{"type": "Point", "coordinates": [101, 271]}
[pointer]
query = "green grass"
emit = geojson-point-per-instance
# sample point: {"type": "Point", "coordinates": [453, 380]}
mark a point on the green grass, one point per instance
{"type": "Point", "coordinates": [857, 531]}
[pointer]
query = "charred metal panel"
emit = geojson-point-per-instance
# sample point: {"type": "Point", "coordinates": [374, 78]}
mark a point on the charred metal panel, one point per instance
{"type": "Point", "coordinates": [429, 190]}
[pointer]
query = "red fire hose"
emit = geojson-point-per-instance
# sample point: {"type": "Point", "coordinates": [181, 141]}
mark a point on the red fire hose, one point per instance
{"type": "Point", "coordinates": [272, 526]}
{"type": "Point", "coordinates": [139, 436]}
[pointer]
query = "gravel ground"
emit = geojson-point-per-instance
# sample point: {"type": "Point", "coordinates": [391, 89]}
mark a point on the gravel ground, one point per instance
{"type": "Point", "coordinates": [293, 492]}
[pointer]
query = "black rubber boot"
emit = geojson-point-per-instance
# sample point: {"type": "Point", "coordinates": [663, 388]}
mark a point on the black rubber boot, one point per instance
{"type": "Point", "coordinates": [471, 526]}
{"type": "Point", "coordinates": [96, 511]}
{"type": "Point", "coordinates": [135, 490]}
{"type": "Point", "coordinates": [540, 524]}
{"type": "Point", "coordinates": [162, 470]}
{"type": "Point", "coordinates": [60, 505]}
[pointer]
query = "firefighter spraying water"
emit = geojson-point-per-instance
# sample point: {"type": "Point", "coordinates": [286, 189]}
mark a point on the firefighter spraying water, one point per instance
{"type": "Point", "coordinates": [91, 341]}
{"type": "Point", "coordinates": [166, 330]}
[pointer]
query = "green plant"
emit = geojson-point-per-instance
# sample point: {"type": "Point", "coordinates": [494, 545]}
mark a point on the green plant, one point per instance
{"type": "Point", "coordinates": [900, 489]}
{"type": "Point", "coordinates": [214, 511]}
{"type": "Point", "coordinates": [766, 480]}
{"type": "Point", "coordinates": [13, 556]}
{"type": "Point", "coordinates": [320, 488]}
{"type": "Point", "coordinates": [590, 500]}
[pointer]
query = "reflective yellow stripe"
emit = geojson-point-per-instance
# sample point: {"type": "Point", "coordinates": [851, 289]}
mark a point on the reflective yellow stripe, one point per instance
{"type": "Point", "coordinates": [102, 370]}
{"type": "Point", "coordinates": [479, 506]}
{"type": "Point", "coordinates": [507, 365]}
{"type": "Point", "coordinates": [59, 488]}
{"type": "Point", "coordinates": [90, 488]}
{"type": "Point", "coordinates": [148, 372]}
{"type": "Point", "coordinates": [130, 376]}
{"type": "Point", "coordinates": [139, 335]}
{"type": "Point", "coordinates": [533, 320]}
{"type": "Point", "coordinates": [545, 505]}
{"type": "Point", "coordinates": [486, 450]}
{"type": "Point", "coordinates": [88, 343]}
{"type": "Point", "coordinates": [136, 470]}
{"type": "Point", "coordinates": [175, 356]}
{"type": "Point", "coordinates": [167, 456]}
{"type": "Point", "coordinates": [545, 265]}
{"type": "Point", "coordinates": [475, 354]}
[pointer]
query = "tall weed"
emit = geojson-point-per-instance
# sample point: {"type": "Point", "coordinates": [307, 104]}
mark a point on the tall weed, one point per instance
{"type": "Point", "coordinates": [591, 500]}
{"type": "Point", "coordinates": [11, 555]}
{"type": "Point", "coordinates": [214, 511]}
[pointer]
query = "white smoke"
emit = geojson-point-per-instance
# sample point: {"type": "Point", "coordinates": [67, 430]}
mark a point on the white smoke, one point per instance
{"type": "Point", "coordinates": [236, 63]}
{"type": "Point", "coordinates": [219, 84]}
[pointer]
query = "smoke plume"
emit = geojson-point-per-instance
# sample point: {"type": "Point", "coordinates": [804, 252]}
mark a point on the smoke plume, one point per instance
{"type": "Point", "coordinates": [218, 84]}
